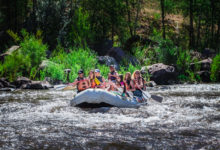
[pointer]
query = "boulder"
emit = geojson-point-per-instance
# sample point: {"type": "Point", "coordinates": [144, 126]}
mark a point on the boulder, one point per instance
{"type": "Point", "coordinates": [107, 60]}
{"type": "Point", "coordinates": [195, 55]}
{"type": "Point", "coordinates": [1, 85]}
{"type": "Point", "coordinates": [102, 47]}
{"type": "Point", "coordinates": [162, 74]}
{"type": "Point", "coordinates": [204, 64]}
{"type": "Point", "coordinates": [117, 53]}
{"type": "Point", "coordinates": [6, 84]}
{"type": "Point", "coordinates": [204, 76]}
{"type": "Point", "coordinates": [9, 52]}
{"type": "Point", "coordinates": [37, 85]}
{"type": "Point", "coordinates": [21, 81]}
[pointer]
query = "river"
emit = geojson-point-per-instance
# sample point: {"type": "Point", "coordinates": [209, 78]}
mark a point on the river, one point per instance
{"type": "Point", "coordinates": [187, 118]}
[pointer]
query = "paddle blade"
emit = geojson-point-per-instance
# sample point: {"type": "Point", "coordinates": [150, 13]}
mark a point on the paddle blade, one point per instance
{"type": "Point", "coordinates": [69, 88]}
{"type": "Point", "coordinates": [157, 98]}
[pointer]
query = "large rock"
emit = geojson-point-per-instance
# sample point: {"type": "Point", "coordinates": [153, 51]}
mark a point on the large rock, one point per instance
{"type": "Point", "coordinates": [162, 74]}
{"type": "Point", "coordinates": [195, 55]}
{"type": "Point", "coordinates": [9, 52]}
{"type": "Point", "coordinates": [21, 81]}
{"type": "Point", "coordinates": [6, 84]}
{"type": "Point", "coordinates": [107, 60]}
{"type": "Point", "coordinates": [117, 53]}
{"type": "Point", "coordinates": [205, 65]}
{"type": "Point", "coordinates": [37, 85]}
{"type": "Point", "coordinates": [102, 47]}
{"type": "Point", "coordinates": [1, 85]}
{"type": "Point", "coordinates": [120, 55]}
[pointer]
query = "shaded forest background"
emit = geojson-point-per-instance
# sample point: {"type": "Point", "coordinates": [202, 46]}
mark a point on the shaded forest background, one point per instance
{"type": "Point", "coordinates": [175, 26]}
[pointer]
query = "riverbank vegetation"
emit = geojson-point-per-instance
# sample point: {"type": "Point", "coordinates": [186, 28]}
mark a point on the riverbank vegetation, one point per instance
{"type": "Point", "coordinates": [68, 34]}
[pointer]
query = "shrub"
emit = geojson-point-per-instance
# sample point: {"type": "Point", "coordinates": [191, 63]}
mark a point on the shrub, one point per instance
{"type": "Point", "coordinates": [167, 52]}
{"type": "Point", "coordinates": [34, 48]}
{"type": "Point", "coordinates": [215, 68]}
{"type": "Point", "coordinates": [26, 60]}
{"type": "Point", "coordinates": [15, 65]}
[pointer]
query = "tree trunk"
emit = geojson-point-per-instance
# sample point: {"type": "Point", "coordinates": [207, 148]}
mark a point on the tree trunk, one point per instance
{"type": "Point", "coordinates": [191, 29]}
{"type": "Point", "coordinates": [137, 15]}
{"type": "Point", "coordinates": [198, 32]}
{"type": "Point", "coordinates": [212, 26]}
{"type": "Point", "coordinates": [163, 18]}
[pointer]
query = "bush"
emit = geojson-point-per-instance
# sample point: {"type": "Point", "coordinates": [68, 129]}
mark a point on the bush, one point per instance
{"type": "Point", "coordinates": [167, 52]}
{"type": "Point", "coordinates": [215, 68]}
{"type": "Point", "coordinates": [77, 59]}
{"type": "Point", "coordinates": [15, 65]}
{"type": "Point", "coordinates": [26, 60]}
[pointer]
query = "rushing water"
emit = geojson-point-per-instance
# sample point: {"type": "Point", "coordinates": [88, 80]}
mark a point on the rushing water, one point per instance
{"type": "Point", "coordinates": [187, 118]}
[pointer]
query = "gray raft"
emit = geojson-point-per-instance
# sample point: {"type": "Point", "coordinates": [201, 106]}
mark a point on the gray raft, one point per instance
{"type": "Point", "coordinates": [92, 98]}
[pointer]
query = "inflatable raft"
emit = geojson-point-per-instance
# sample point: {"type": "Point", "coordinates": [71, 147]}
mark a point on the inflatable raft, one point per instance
{"type": "Point", "coordinates": [92, 98]}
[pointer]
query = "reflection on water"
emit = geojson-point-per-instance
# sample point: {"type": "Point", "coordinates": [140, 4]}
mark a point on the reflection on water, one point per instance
{"type": "Point", "coordinates": [188, 118]}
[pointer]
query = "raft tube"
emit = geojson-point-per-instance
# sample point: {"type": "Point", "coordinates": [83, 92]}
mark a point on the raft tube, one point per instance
{"type": "Point", "coordinates": [93, 98]}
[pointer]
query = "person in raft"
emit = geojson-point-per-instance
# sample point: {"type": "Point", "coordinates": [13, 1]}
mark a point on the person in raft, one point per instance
{"type": "Point", "coordinates": [81, 82]}
{"type": "Point", "coordinates": [91, 79]}
{"type": "Point", "coordinates": [112, 78]}
{"type": "Point", "coordinates": [138, 85]}
{"type": "Point", "coordinates": [99, 80]}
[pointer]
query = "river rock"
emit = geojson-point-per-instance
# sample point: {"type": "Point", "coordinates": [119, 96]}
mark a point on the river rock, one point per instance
{"type": "Point", "coordinates": [37, 85]}
{"type": "Point", "coordinates": [107, 60]}
{"type": "Point", "coordinates": [195, 55]}
{"type": "Point", "coordinates": [204, 76]}
{"type": "Point", "coordinates": [205, 65]}
{"type": "Point", "coordinates": [9, 52]}
{"type": "Point", "coordinates": [117, 53]}
{"type": "Point", "coordinates": [21, 81]}
{"type": "Point", "coordinates": [6, 84]}
{"type": "Point", "coordinates": [162, 74]}
{"type": "Point", "coordinates": [102, 47]}
{"type": "Point", "coordinates": [1, 85]}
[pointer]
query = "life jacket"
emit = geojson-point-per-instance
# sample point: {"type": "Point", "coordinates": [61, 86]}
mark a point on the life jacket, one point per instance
{"type": "Point", "coordinates": [128, 83]}
{"type": "Point", "coordinates": [83, 82]}
{"type": "Point", "coordinates": [93, 84]}
{"type": "Point", "coordinates": [112, 73]}
{"type": "Point", "coordinates": [98, 81]}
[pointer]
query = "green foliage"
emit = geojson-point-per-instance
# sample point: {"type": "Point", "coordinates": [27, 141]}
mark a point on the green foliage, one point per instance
{"type": "Point", "coordinates": [77, 59]}
{"type": "Point", "coordinates": [167, 52]}
{"type": "Point", "coordinates": [14, 36]}
{"type": "Point", "coordinates": [15, 65]}
{"type": "Point", "coordinates": [81, 31]}
{"type": "Point", "coordinates": [215, 68]}
{"type": "Point", "coordinates": [183, 60]}
{"type": "Point", "coordinates": [26, 60]}
{"type": "Point", "coordinates": [34, 48]}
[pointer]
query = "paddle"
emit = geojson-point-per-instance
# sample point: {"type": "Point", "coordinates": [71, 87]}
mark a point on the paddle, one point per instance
{"type": "Point", "coordinates": [154, 97]}
{"type": "Point", "coordinates": [65, 87]}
